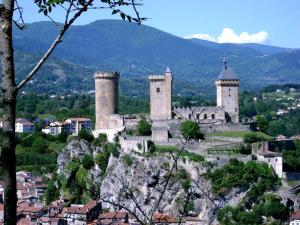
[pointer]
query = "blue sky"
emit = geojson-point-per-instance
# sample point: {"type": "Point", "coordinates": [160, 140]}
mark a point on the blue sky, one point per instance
{"type": "Point", "coordinates": [274, 22]}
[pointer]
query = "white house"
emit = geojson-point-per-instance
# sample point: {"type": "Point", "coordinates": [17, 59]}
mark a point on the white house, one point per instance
{"type": "Point", "coordinates": [24, 126]}
{"type": "Point", "coordinates": [74, 125]}
{"type": "Point", "coordinates": [54, 128]}
{"type": "Point", "coordinates": [273, 159]}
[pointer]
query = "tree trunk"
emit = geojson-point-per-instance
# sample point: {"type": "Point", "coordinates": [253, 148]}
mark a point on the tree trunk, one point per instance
{"type": "Point", "coordinates": [8, 157]}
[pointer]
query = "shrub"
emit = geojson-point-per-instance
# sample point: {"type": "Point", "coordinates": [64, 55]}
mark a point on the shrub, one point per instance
{"type": "Point", "coordinates": [86, 135]}
{"type": "Point", "coordinates": [102, 160]}
{"type": "Point", "coordinates": [253, 137]}
{"type": "Point", "coordinates": [52, 192]}
{"type": "Point", "coordinates": [100, 140]}
{"type": "Point", "coordinates": [245, 150]}
{"type": "Point", "coordinates": [81, 177]}
{"type": "Point", "coordinates": [87, 162]}
{"type": "Point", "coordinates": [262, 123]}
{"type": "Point", "coordinates": [190, 130]}
{"type": "Point", "coordinates": [128, 161]}
{"type": "Point", "coordinates": [143, 127]}
{"type": "Point", "coordinates": [113, 149]}
{"type": "Point", "coordinates": [184, 178]}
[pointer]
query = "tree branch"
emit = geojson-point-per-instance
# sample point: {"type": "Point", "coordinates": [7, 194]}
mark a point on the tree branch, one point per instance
{"type": "Point", "coordinates": [57, 40]}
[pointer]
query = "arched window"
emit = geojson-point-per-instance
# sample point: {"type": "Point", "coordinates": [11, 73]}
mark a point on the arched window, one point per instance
{"type": "Point", "coordinates": [212, 116]}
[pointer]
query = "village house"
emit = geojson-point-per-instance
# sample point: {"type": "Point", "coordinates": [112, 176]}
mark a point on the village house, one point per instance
{"type": "Point", "coordinates": [81, 214]}
{"type": "Point", "coordinates": [53, 128]}
{"type": "Point", "coordinates": [24, 126]}
{"type": "Point", "coordinates": [74, 125]}
{"type": "Point", "coordinates": [273, 159]}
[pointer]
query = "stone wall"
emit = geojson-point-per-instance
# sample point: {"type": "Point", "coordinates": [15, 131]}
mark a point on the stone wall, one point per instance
{"type": "Point", "coordinates": [135, 143]}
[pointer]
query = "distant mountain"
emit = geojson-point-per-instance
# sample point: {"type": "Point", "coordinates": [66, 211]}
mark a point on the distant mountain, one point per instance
{"type": "Point", "coordinates": [137, 51]}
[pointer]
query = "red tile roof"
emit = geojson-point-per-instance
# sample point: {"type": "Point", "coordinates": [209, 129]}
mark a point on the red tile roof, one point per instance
{"type": "Point", "coordinates": [158, 217]}
{"type": "Point", "coordinates": [296, 215]}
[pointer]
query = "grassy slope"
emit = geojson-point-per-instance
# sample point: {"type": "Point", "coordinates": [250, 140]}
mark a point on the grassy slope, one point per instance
{"type": "Point", "coordinates": [238, 134]}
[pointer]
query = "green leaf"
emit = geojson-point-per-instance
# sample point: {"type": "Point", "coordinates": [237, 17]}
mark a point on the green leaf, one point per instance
{"type": "Point", "coordinates": [123, 16]}
{"type": "Point", "coordinates": [114, 11]}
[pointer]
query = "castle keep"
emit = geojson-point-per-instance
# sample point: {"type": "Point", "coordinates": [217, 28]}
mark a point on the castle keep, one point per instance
{"type": "Point", "coordinates": [107, 98]}
{"type": "Point", "coordinates": [161, 96]}
{"type": "Point", "coordinates": [228, 92]}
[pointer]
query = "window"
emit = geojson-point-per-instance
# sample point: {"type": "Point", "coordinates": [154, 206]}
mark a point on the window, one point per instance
{"type": "Point", "coordinates": [229, 95]}
{"type": "Point", "coordinates": [212, 116]}
{"type": "Point", "coordinates": [157, 89]}
{"type": "Point", "coordinates": [190, 116]}
{"type": "Point", "coordinates": [229, 89]}
{"type": "Point", "coordinates": [205, 116]}
{"type": "Point", "coordinates": [235, 109]}
{"type": "Point", "coordinates": [198, 116]}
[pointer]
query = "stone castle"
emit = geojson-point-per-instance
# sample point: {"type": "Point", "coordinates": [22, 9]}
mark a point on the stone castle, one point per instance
{"type": "Point", "coordinates": [162, 115]}
{"type": "Point", "coordinates": [227, 109]}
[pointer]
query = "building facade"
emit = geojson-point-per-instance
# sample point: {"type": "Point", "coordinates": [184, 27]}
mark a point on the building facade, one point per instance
{"type": "Point", "coordinates": [74, 125]}
{"type": "Point", "coordinates": [161, 96]}
{"type": "Point", "coordinates": [24, 126]}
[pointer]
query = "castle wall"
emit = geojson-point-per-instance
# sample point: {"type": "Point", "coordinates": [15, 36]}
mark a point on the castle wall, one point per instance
{"type": "Point", "coordinates": [210, 114]}
{"type": "Point", "coordinates": [106, 98]}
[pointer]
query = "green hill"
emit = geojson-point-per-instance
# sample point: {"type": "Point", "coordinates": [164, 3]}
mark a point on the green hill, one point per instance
{"type": "Point", "coordinates": [137, 51]}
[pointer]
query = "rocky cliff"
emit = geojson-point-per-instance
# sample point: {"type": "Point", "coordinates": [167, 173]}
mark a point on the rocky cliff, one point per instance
{"type": "Point", "coordinates": [144, 184]}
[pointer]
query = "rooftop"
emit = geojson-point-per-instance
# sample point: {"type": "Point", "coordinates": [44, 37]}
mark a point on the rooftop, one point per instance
{"type": "Point", "coordinates": [227, 73]}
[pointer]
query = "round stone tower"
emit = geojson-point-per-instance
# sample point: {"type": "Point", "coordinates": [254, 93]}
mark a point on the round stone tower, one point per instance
{"type": "Point", "coordinates": [106, 97]}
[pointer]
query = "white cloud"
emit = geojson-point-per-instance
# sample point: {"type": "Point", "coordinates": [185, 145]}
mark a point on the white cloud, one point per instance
{"type": "Point", "coordinates": [206, 37]}
{"type": "Point", "coordinates": [228, 35]}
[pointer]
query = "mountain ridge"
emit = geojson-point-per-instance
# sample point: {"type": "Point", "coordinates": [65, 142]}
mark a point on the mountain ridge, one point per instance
{"type": "Point", "coordinates": [137, 51]}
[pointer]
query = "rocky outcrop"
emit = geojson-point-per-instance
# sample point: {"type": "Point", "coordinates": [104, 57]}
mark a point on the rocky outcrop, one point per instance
{"type": "Point", "coordinates": [147, 184]}
{"type": "Point", "coordinates": [140, 186]}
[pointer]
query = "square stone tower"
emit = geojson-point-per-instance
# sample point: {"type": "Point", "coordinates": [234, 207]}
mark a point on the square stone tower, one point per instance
{"type": "Point", "coordinates": [228, 92]}
{"type": "Point", "coordinates": [161, 96]}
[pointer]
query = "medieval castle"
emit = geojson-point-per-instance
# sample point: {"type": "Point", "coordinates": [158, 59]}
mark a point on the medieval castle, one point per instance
{"type": "Point", "coordinates": [162, 115]}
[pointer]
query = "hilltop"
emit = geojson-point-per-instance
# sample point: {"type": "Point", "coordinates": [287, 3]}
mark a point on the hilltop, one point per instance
{"type": "Point", "coordinates": [137, 51]}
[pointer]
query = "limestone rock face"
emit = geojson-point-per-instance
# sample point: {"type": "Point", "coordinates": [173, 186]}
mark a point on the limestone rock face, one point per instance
{"type": "Point", "coordinates": [139, 187]}
{"type": "Point", "coordinates": [75, 149]}
{"type": "Point", "coordinates": [136, 183]}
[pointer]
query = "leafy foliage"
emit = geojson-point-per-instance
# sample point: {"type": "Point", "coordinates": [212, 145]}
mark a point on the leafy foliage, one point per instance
{"type": "Point", "coordinates": [191, 130]}
{"type": "Point", "coordinates": [262, 123]}
{"type": "Point", "coordinates": [254, 137]}
{"type": "Point", "coordinates": [127, 159]}
{"type": "Point", "coordinates": [241, 175]}
{"type": "Point", "coordinates": [268, 208]}
{"type": "Point", "coordinates": [86, 135]}
{"type": "Point", "coordinates": [87, 162]}
{"type": "Point", "coordinates": [291, 158]}
{"type": "Point", "coordinates": [100, 140]}
{"type": "Point", "coordinates": [143, 127]}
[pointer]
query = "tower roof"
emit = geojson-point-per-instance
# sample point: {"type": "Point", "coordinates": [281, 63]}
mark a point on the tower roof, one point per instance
{"type": "Point", "coordinates": [168, 70]}
{"type": "Point", "coordinates": [227, 73]}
